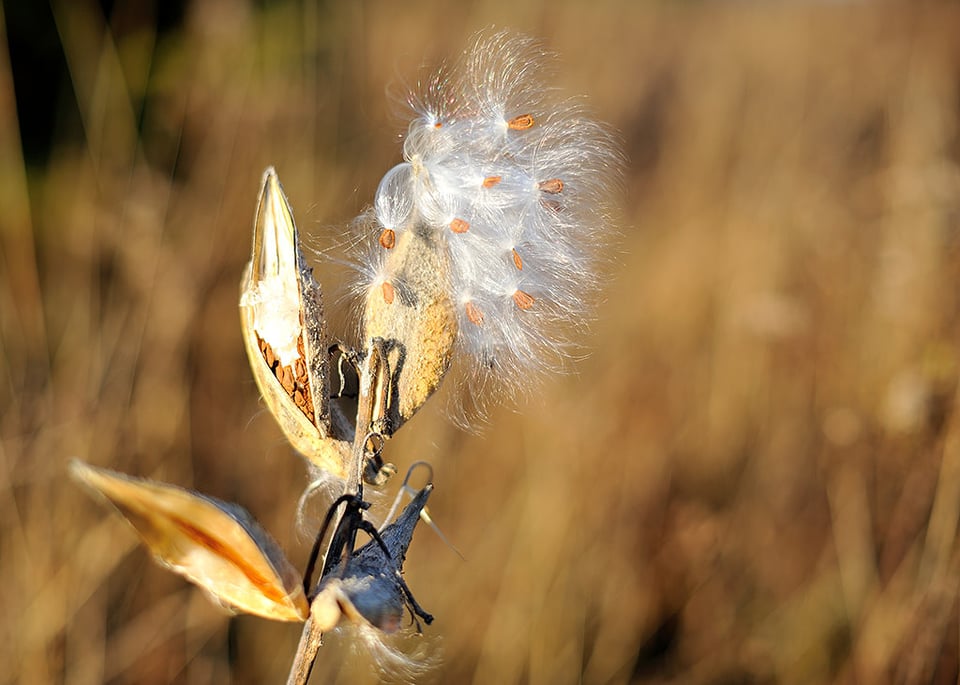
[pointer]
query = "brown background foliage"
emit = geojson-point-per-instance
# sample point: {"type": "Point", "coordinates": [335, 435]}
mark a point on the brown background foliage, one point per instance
{"type": "Point", "coordinates": [754, 476]}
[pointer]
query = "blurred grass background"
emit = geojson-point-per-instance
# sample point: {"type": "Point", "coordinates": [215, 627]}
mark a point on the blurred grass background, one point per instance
{"type": "Point", "coordinates": [755, 476]}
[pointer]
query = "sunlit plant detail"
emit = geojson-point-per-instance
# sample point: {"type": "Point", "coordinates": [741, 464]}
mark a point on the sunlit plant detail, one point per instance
{"type": "Point", "coordinates": [483, 245]}
{"type": "Point", "coordinates": [214, 544]}
{"type": "Point", "coordinates": [284, 333]}
{"type": "Point", "coordinates": [481, 251]}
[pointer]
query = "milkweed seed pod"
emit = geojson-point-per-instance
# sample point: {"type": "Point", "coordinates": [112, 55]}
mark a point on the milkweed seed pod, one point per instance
{"type": "Point", "coordinates": [486, 236]}
{"type": "Point", "coordinates": [213, 544]}
{"type": "Point", "coordinates": [368, 585]}
{"type": "Point", "coordinates": [219, 547]}
{"type": "Point", "coordinates": [282, 320]}
{"type": "Point", "coordinates": [413, 314]}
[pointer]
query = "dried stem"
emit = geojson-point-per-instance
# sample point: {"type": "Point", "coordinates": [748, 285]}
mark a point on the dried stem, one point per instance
{"type": "Point", "coordinates": [369, 409]}
{"type": "Point", "coordinates": [310, 641]}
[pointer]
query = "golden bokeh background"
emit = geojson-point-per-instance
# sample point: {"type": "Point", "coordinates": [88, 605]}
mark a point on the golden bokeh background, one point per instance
{"type": "Point", "coordinates": [754, 477]}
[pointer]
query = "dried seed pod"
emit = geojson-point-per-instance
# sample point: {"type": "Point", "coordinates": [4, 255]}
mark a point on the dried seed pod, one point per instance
{"type": "Point", "coordinates": [367, 585]}
{"type": "Point", "coordinates": [213, 544]}
{"type": "Point", "coordinates": [517, 171]}
{"type": "Point", "coordinates": [281, 312]}
{"type": "Point", "coordinates": [417, 326]}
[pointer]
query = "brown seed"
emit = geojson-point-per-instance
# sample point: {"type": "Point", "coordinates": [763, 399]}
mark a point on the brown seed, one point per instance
{"type": "Point", "coordinates": [300, 338]}
{"type": "Point", "coordinates": [491, 181]}
{"type": "Point", "coordinates": [553, 205]}
{"type": "Point", "coordinates": [521, 123]}
{"type": "Point", "coordinates": [300, 369]}
{"type": "Point", "coordinates": [388, 239]}
{"type": "Point", "coordinates": [459, 226]}
{"type": "Point", "coordinates": [474, 313]}
{"type": "Point", "coordinates": [300, 400]}
{"type": "Point", "coordinates": [523, 300]}
{"type": "Point", "coordinates": [268, 355]}
{"type": "Point", "coordinates": [386, 288]}
{"type": "Point", "coordinates": [552, 186]}
{"type": "Point", "coordinates": [438, 124]}
{"type": "Point", "coordinates": [517, 262]}
{"type": "Point", "coordinates": [285, 376]}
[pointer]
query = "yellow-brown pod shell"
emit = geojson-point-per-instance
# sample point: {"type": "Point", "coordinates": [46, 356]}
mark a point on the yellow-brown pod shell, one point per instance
{"type": "Point", "coordinates": [415, 318]}
{"type": "Point", "coordinates": [281, 313]}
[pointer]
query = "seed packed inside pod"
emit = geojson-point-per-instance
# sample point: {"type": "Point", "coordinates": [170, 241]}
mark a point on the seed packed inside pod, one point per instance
{"type": "Point", "coordinates": [282, 319]}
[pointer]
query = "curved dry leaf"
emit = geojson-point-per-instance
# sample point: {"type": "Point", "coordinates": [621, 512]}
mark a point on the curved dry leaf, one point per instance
{"type": "Point", "coordinates": [214, 544]}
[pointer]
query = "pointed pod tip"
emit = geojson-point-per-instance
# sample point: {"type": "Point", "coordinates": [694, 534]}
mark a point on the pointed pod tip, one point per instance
{"type": "Point", "coordinates": [76, 468]}
{"type": "Point", "coordinates": [420, 499]}
{"type": "Point", "coordinates": [271, 188]}
{"type": "Point", "coordinates": [86, 476]}
{"type": "Point", "coordinates": [104, 482]}
{"type": "Point", "coordinates": [269, 181]}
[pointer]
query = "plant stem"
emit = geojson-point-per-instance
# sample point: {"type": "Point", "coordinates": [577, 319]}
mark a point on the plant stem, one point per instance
{"type": "Point", "coordinates": [310, 642]}
{"type": "Point", "coordinates": [369, 409]}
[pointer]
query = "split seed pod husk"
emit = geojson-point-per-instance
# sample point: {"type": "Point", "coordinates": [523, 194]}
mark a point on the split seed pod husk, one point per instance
{"type": "Point", "coordinates": [418, 324]}
{"type": "Point", "coordinates": [368, 586]}
{"type": "Point", "coordinates": [282, 319]}
{"type": "Point", "coordinates": [213, 544]}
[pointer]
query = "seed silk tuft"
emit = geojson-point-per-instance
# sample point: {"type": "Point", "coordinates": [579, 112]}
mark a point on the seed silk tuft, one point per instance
{"type": "Point", "coordinates": [517, 181]}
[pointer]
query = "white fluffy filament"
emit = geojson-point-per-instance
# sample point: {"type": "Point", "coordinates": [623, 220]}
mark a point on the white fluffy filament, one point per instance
{"type": "Point", "coordinates": [518, 181]}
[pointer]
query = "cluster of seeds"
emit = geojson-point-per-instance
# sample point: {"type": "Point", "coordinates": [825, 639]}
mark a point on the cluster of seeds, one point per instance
{"type": "Point", "coordinates": [515, 182]}
{"type": "Point", "coordinates": [292, 377]}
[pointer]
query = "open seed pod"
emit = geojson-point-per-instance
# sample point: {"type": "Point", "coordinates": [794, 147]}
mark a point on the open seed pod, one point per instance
{"type": "Point", "coordinates": [413, 315]}
{"type": "Point", "coordinates": [367, 586]}
{"type": "Point", "coordinates": [213, 544]}
{"type": "Point", "coordinates": [281, 313]}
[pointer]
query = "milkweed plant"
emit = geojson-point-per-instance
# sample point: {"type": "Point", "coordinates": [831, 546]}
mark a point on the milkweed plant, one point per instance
{"type": "Point", "coordinates": [480, 252]}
